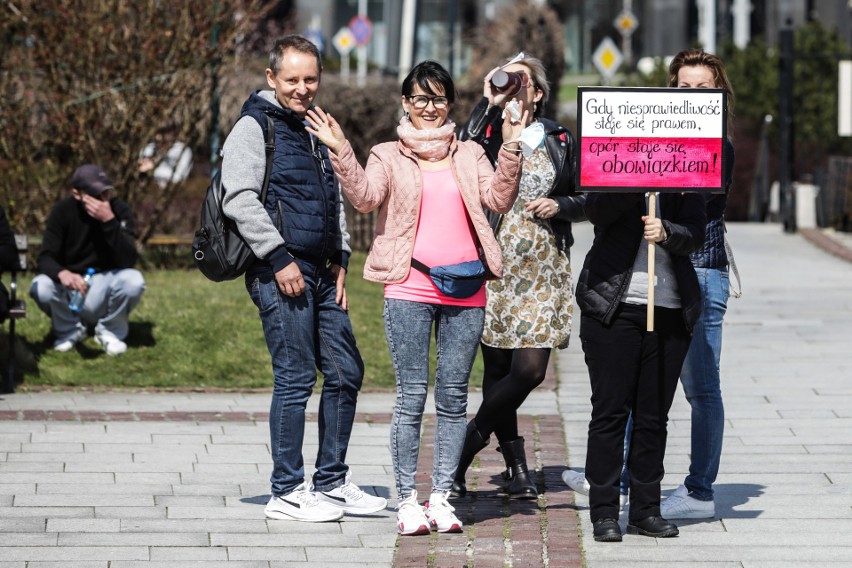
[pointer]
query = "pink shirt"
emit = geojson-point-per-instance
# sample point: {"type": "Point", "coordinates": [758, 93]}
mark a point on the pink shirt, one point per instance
{"type": "Point", "coordinates": [444, 236]}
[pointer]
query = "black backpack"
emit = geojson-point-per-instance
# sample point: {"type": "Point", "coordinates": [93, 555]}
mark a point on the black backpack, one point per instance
{"type": "Point", "coordinates": [219, 250]}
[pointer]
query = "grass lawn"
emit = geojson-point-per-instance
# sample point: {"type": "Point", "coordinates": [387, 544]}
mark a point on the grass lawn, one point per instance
{"type": "Point", "coordinates": [188, 332]}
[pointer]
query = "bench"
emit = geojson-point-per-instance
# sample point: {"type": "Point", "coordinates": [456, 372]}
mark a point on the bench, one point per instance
{"type": "Point", "coordinates": [17, 310]}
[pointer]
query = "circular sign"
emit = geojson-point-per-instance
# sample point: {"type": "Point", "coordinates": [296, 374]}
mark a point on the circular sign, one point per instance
{"type": "Point", "coordinates": [362, 29]}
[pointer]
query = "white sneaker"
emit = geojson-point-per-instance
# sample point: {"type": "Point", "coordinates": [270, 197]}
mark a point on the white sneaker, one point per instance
{"type": "Point", "coordinates": [349, 498]}
{"type": "Point", "coordinates": [440, 514]}
{"type": "Point", "coordinates": [679, 505]}
{"type": "Point", "coordinates": [410, 517]}
{"type": "Point", "coordinates": [301, 505]}
{"type": "Point", "coordinates": [576, 481]}
{"type": "Point", "coordinates": [67, 343]}
{"type": "Point", "coordinates": [111, 344]}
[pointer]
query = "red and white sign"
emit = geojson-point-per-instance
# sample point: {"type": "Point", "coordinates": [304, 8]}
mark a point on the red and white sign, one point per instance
{"type": "Point", "coordinates": [639, 139]}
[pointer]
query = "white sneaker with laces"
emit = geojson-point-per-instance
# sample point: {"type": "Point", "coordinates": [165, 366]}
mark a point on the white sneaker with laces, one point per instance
{"type": "Point", "coordinates": [301, 505]}
{"type": "Point", "coordinates": [111, 344]}
{"type": "Point", "coordinates": [576, 481]}
{"type": "Point", "coordinates": [440, 514]}
{"type": "Point", "coordinates": [351, 499]}
{"type": "Point", "coordinates": [679, 505]}
{"type": "Point", "coordinates": [67, 343]}
{"type": "Point", "coordinates": [410, 518]}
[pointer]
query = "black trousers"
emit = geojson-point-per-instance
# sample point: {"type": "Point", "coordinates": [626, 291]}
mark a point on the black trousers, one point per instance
{"type": "Point", "coordinates": [630, 370]}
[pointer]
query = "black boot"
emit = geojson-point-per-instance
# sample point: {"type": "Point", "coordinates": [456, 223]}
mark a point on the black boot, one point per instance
{"type": "Point", "coordinates": [520, 483]}
{"type": "Point", "coordinates": [473, 443]}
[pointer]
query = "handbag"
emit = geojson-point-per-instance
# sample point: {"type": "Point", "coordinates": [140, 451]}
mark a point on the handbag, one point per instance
{"type": "Point", "coordinates": [461, 280]}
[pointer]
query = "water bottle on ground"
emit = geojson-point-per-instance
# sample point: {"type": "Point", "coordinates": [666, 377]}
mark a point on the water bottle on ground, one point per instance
{"type": "Point", "coordinates": [77, 297]}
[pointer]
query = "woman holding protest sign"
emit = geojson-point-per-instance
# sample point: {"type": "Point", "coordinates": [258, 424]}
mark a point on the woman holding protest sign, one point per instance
{"type": "Point", "coordinates": [633, 370]}
{"type": "Point", "coordinates": [529, 310]}
{"type": "Point", "coordinates": [430, 190]}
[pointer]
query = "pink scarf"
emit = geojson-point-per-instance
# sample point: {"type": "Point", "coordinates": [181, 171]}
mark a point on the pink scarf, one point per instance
{"type": "Point", "coordinates": [432, 144]}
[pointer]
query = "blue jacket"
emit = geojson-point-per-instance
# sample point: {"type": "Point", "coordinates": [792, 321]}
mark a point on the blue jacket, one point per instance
{"type": "Point", "coordinates": [303, 196]}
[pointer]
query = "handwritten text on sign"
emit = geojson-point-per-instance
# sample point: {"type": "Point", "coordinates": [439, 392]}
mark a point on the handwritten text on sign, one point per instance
{"type": "Point", "coordinates": [658, 139]}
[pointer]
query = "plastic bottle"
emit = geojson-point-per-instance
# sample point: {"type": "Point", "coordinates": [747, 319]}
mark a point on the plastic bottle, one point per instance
{"type": "Point", "coordinates": [77, 297]}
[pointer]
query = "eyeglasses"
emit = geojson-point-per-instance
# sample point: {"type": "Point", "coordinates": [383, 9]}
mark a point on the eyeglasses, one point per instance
{"type": "Point", "coordinates": [422, 101]}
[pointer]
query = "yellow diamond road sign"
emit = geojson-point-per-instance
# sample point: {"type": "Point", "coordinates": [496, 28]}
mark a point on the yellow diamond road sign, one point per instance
{"type": "Point", "coordinates": [607, 58]}
{"type": "Point", "coordinates": [626, 22]}
{"type": "Point", "coordinates": [344, 41]}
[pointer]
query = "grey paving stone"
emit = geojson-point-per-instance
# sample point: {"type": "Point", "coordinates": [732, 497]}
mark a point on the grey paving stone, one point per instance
{"type": "Point", "coordinates": [281, 554]}
{"type": "Point", "coordinates": [84, 525]}
{"type": "Point", "coordinates": [91, 500]}
{"type": "Point", "coordinates": [47, 512]}
{"type": "Point", "coordinates": [188, 564]}
{"type": "Point", "coordinates": [134, 539]}
{"type": "Point", "coordinates": [130, 512]}
{"type": "Point", "coordinates": [47, 448]}
{"type": "Point", "coordinates": [336, 541]}
{"type": "Point", "coordinates": [207, 489]}
{"type": "Point", "coordinates": [215, 512]}
{"type": "Point", "coordinates": [77, 553]}
{"type": "Point", "coordinates": [67, 564]}
{"type": "Point", "coordinates": [193, 526]}
{"type": "Point", "coordinates": [53, 477]}
{"type": "Point", "coordinates": [27, 539]}
{"type": "Point", "coordinates": [189, 501]}
{"type": "Point", "coordinates": [32, 525]}
{"type": "Point", "coordinates": [104, 489]}
{"type": "Point", "coordinates": [188, 554]}
{"type": "Point", "coordinates": [320, 554]}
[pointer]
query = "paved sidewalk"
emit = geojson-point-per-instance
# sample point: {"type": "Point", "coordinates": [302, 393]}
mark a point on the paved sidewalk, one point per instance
{"type": "Point", "coordinates": [143, 480]}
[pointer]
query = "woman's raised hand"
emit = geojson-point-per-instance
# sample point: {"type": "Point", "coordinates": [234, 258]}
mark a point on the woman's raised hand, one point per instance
{"type": "Point", "coordinates": [512, 128]}
{"type": "Point", "coordinates": [495, 97]}
{"type": "Point", "coordinates": [325, 128]}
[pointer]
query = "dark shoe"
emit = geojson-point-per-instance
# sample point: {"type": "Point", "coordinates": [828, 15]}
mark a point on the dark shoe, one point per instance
{"type": "Point", "coordinates": [473, 443]}
{"type": "Point", "coordinates": [607, 530]}
{"type": "Point", "coordinates": [520, 483]}
{"type": "Point", "coordinates": [652, 526]}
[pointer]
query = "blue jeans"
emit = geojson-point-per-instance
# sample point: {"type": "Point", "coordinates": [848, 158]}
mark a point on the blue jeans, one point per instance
{"type": "Point", "coordinates": [304, 334]}
{"type": "Point", "coordinates": [110, 299]}
{"type": "Point", "coordinates": [408, 326]}
{"type": "Point", "coordinates": [702, 385]}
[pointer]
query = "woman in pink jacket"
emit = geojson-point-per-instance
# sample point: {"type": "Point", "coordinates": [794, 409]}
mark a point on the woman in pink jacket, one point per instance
{"type": "Point", "coordinates": [429, 189]}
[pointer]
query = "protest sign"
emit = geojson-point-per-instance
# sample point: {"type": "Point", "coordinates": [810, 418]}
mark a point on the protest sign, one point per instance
{"type": "Point", "coordinates": [642, 139]}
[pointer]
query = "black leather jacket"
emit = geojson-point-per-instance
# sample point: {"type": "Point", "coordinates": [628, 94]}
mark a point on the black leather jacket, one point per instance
{"type": "Point", "coordinates": [619, 229]}
{"type": "Point", "coordinates": [484, 127]}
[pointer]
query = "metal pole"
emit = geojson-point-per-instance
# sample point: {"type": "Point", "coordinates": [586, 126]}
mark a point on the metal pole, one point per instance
{"type": "Point", "coordinates": [214, 99]}
{"type": "Point", "coordinates": [453, 8]}
{"type": "Point", "coordinates": [785, 129]}
{"type": "Point", "coordinates": [406, 37]}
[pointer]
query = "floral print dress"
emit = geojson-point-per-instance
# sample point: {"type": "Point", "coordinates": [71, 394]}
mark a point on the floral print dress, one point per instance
{"type": "Point", "coordinates": [532, 305]}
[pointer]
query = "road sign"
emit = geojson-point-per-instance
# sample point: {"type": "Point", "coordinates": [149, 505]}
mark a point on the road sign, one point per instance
{"type": "Point", "coordinates": [344, 41]}
{"type": "Point", "coordinates": [626, 22]}
{"type": "Point", "coordinates": [314, 35]}
{"type": "Point", "coordinates": [607, 58]}
{"type": "Point", "coordinates": [362, 29]}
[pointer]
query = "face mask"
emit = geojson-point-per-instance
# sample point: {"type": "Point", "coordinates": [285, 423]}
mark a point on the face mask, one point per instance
{"type": "Point", "coordinates": [531, 138]}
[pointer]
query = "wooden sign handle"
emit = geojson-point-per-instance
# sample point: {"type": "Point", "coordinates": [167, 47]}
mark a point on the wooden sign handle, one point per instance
{"type": "Point", "coordinates": [652, 249]}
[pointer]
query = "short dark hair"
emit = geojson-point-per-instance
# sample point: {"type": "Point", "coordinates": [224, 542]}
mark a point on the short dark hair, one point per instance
{"type": "Point", "coordinates": [427, 74]}
{"type": "Point", "coordinates": [296, 43]}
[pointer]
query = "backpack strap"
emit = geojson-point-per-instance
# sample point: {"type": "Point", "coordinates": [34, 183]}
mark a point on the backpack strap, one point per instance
{"type": "Point", "coordinates": [270, 150]}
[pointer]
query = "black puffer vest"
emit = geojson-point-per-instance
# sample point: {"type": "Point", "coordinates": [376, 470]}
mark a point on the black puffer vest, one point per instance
{"type": "Point", "coordinates": [302, 198]}
{"type": "Point", "coordinates": [712, 253]}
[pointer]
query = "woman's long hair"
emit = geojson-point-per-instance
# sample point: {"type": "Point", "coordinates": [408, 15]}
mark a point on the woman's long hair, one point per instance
{"type": "Point", "coordinates": [700, 58]}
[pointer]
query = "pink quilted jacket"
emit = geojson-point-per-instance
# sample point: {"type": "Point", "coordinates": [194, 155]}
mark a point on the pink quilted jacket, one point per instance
{"type": "Point", "coordinates": [392, 183]}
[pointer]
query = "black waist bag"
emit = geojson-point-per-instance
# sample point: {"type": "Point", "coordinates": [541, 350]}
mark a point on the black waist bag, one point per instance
{"type": "Point", "coordinates": [461, 280]}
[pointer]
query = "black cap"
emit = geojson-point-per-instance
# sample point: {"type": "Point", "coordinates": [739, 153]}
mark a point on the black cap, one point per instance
{"type": "Point", "coordinates": [91, 179]}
